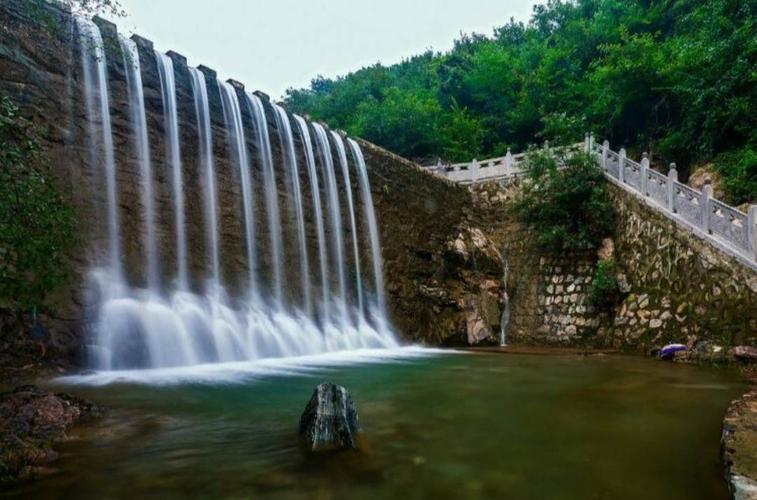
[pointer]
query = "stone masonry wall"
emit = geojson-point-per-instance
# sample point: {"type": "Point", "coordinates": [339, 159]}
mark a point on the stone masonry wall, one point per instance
{"type": "Point", "coordinates": [676, 286]}
{"type": "Point", "coordinates": [682, 289]}
{"type": "Point", "coordinates": [547, 292]}
{"type": "Point", "coordinates": [567, 317]}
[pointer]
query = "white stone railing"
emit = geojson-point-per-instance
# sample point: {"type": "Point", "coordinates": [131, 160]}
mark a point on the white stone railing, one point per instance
{"type": "Point", "coordinates": [493, 169]}
{"type": "Point", "coordinates": [726, 227]}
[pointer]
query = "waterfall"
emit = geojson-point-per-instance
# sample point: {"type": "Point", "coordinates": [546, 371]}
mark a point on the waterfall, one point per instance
{"type": "Point", "coordinates": [98, 111]}
{"type": "Point", "coordinates": [284, 127]}
{"type": "Point", "coordinates": [173, 150]}
{"type": "Point", "coordinates": [317, 212]}
{"type": "Point", "coordinates": [370, 216]}
{"type": "Point", "coordinates": [337, 241]}
{"type": "Point", "coordinates": [235, 129]}
{"type": "Point", "coordinates": [142, 146]}
{"type": "Point", "coordinates": [205, 140]}
{"type": "Point", "coordinates": [504, 319]}
{"type": "Point", "coordinates": [342, 154]}
{"type": "Point", "coordinates": [271, 195]}
{"type": "Point", "coordinates": [163, 325]}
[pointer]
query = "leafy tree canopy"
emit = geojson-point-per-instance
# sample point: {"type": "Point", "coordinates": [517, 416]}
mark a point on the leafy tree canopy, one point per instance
{"type": "Point", "coordinates": [673, 77]}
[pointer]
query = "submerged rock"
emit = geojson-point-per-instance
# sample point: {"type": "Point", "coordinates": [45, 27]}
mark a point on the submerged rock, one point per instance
{"type": "Point", "coordinates": [330, 421]}
{"type": "Point", "coordinates": [31, 420]}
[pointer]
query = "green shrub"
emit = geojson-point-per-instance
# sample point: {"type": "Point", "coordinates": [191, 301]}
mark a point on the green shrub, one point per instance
{"type": "Point", "coordinates": [604, 292]}
{"type": "Point", "coordinates": [569, 208]}
{"type": "Point", "coordinates": [739, 171]}
{"type": "Point", "coordinates": [36, 224]}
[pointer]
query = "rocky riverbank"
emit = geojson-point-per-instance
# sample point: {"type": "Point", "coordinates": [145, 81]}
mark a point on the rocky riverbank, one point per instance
{"type": "Point", "coordinates": [739, 445]}
{"type": "Point", "coordinates": [32, 421]}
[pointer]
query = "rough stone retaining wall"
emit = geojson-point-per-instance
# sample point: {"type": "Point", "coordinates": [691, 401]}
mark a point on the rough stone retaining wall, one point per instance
{"type": "Point", "coordinates": [682, 288]}
{"type": "Point", "coordinates": [678, 287]}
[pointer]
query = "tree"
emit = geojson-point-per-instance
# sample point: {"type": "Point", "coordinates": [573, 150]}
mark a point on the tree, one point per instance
{"type": "Point", "coordinates": [673, 77]}
{"type": "Point", "coordinates": [564, 199]}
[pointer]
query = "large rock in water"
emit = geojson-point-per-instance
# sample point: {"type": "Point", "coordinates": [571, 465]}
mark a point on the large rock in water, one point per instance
{"type": "Point", "coordinates": [330, 421]}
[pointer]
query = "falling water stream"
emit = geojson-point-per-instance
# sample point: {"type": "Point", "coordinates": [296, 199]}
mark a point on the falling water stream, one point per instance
{"type": "Point", "coordinates": [317, 213]}
{"type": "Point", "coordinates": [168, 325]}
{"type": "Point", "coordinates": [235, 130]}
{"type": "Point", "coordinates": [271, 195]}
{"type": "Point", "coordinates": [173, 147]}
{"type": "Point", "coordinates": [342, 154]}
{"type": "Point", "coordinates": [142, 146]}
{"type": "Point", "coordinates": [205, 140]}
{"type": "Point", "coordinates": [370, 216]}
{"type": "Point", "coordinates": [290, 159]}
{"type": "Point", "coordinates": [98, 112]}
{"type": "Point", "coordinates": [335, 215]}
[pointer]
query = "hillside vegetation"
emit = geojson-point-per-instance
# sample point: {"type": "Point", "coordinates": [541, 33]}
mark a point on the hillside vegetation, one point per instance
{"type": "Point", "coordinates": [677, 78]}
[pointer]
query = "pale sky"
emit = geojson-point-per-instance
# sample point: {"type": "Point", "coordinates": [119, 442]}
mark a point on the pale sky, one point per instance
{"type": "Point", "coordinates": [271, 45]}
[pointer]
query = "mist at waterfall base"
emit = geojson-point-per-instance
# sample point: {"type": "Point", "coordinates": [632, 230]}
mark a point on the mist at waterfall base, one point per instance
{"type": "Point", "coordinates": [166, 327]}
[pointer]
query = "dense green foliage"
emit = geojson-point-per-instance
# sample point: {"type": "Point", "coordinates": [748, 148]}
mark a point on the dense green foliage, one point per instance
{"type": "Point", "coordinates": [604, 292]}
{"type": "Point", "coordinates": [39, 10]}
{"type": "Point", "coordinates": [569, 208]}
{"type": "Point", "coordinates": [676, 78]}
{"type": "Point", "coordinates": [36, 225]}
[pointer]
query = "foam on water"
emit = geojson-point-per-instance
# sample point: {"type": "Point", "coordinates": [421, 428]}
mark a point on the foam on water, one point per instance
{"type": "Point", "coordinates": [246, 371]}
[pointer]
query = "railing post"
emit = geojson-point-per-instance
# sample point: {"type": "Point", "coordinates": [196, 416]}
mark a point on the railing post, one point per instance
{"type": "Point", "coordinates": [672, 179]}
{"type": "Point", "coordinates": [752, 230]}
{"type": "Point", "coordinates": [621, 164]}
{"type": "Point", "coordinates": [643, 173]}
{"type": "Point", "coordinates": [440, 168]}
{"type": "Point", "coordinates": [605, 148]}
{"type": "Point", "coordinates": [586, 142]}
{"type": "Point", "coordinates": [509, 161]}
{"type": "Point", "coordinates": [474, 171]}
{"type": "Point", "coordinates": [591, 142]}
{"type": "Point", "coordinates": [704, 205]}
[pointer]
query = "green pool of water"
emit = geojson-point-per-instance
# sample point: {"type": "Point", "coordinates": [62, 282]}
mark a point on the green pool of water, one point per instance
{"type": "Point", "coordinates": [446, 426]}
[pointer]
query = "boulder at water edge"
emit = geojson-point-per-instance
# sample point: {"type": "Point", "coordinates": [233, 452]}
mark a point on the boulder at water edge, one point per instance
{"type": "Point", "coordinates": [329, 422]}
{"type": "Point", "coordinates": [31, 421]}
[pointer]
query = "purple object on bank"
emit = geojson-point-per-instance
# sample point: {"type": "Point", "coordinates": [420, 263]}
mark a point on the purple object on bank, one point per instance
{"type": "Point", "coordinates": [669, 350]}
